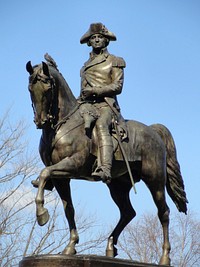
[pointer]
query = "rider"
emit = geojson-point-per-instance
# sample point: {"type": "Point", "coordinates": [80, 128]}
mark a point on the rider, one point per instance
{"type": "Point", "coordinates": [102, 79]}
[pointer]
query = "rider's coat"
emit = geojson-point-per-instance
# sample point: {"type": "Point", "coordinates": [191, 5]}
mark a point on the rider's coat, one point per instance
{"type": "Point", "coordinates": [104, 74]}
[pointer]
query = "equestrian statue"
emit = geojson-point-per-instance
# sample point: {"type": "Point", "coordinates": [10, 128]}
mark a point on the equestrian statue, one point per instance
{"type": "Point", "coordinates": [87, 138]}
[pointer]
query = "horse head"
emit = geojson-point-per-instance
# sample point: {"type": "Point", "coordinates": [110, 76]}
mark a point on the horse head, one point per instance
{"type": "Point", "coordinates": [42, 90]}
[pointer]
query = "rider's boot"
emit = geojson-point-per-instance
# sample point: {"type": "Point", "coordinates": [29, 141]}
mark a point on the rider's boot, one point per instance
{"type": "Point", "coordinates": [103, 171]}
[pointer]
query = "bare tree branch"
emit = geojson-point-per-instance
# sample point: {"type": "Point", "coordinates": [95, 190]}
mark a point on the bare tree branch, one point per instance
{"type": "Point", "coordinates": [142, 240]}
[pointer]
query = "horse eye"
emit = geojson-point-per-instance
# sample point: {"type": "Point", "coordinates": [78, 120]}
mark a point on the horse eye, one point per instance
{"type": "Point", "coordinates": [44, 81]}
{"type": "Point", "coordinates": [47, 91]}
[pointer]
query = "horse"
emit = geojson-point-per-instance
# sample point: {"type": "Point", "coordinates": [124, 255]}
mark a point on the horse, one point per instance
{"type": "Point", "coordinates": [65, 150]}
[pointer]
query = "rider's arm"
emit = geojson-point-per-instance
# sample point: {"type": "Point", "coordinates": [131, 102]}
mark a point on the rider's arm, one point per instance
{"type": "Point", "coordinates": [115, 87]}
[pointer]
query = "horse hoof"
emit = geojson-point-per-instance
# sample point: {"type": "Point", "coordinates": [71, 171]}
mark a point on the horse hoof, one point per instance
{"type": "Point", "coordinates": [43, 217]}
{"type": "Point", "coordinates": [165, 261]}
{"type": "Point", "coordinates": [69, 251]}
{"type": "Point", "coordinates": [111, 252]}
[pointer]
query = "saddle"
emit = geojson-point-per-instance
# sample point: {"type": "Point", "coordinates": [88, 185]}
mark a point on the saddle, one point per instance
{"type": "Point", "coordinates": [90, 115]}
{"type": "Point", "coordinates": [133, 153]}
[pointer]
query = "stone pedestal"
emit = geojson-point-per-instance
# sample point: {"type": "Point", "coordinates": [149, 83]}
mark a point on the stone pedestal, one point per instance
{"type": "Point", "coordinates": [78, 261]}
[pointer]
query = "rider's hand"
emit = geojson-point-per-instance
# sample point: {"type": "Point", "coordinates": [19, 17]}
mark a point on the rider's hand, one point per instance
{"type": "Point", "coordinates": [87, 92]}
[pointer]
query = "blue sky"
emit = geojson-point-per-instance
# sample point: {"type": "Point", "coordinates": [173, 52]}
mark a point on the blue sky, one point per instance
{"type": "Point", "coordinates": [159, 40]}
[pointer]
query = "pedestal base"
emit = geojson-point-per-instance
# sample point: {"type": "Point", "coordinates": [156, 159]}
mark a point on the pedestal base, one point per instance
{"type": "Point", "coordinates": [79, 261]}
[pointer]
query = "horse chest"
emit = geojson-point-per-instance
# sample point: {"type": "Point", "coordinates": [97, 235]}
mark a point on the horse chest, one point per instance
{"type": "Point", "coordinates": [63, 147]}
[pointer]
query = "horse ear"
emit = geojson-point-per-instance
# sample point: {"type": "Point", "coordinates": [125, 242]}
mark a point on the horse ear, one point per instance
{"type": "Point", "coordinates": [45, 69]}
{"type": "Point", "coordinates": [29, 67]}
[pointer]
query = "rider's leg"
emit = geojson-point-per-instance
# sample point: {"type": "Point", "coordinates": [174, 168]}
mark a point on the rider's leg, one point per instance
{"type": "Point", "coordinates": [105, 144]}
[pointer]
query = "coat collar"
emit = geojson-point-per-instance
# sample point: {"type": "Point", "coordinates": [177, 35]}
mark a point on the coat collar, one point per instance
{"type": "Point", "coordinates": [96, 59]}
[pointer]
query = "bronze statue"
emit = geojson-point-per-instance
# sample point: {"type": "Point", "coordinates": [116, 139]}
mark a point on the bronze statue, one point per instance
{"type": "Point", "coordinates": [69, 152]}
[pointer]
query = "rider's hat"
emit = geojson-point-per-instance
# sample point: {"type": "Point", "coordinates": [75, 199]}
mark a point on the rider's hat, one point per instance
{"type": "Point", "coordinates": [97, 28]}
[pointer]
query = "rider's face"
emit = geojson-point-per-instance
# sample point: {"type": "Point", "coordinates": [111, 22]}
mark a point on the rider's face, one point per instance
{"type": "Point", "coordinates": [98, 41]}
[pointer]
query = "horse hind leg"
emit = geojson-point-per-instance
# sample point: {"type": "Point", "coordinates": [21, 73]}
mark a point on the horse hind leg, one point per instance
{"type": "Point", "coordinates": [158, 194]}
{"type": "Point", "coordinates": [120, 194]}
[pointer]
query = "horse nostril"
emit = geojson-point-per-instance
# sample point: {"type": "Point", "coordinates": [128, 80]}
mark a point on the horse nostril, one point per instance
{"type": "Point", "coordinates": [44, 121]}
{"type": "Point", "coordinates": [40, 122]}
{"type": "Point", "coordinates": [37, 124]}
{"type": "Point", "coordinates": [35, 121]}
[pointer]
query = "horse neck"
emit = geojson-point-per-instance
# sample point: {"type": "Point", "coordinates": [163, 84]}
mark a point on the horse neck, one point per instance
{"type": "Point", "coordinates": [66, 100]}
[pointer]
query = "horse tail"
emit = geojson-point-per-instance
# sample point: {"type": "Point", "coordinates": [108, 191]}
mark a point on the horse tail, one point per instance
{"type": "Point", "coordinates": [174, 184]}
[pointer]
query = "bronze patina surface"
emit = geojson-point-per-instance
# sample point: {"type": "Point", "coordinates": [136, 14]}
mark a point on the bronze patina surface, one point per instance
{"type": "Point", "coordinates": [73, 129]}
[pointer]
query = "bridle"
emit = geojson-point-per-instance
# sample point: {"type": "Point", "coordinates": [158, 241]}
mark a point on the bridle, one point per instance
{"type": "Point", "coordinates": [53, 109]}
{"type": "Point", "coordinates": [46, 79]}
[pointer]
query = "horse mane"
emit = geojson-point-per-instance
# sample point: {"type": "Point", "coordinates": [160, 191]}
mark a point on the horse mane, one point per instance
{"type": "Point", "coordinates": [63, 83]}
{"type": "Point", "coordinates": [51, 62]}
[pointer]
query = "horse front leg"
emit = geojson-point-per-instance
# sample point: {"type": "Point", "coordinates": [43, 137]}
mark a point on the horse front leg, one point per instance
{"type": "Point", "coordinates": [74, 239]}
{"type": "Point", "coordinates": [63, 169]}
{"type": "Point", "coordinates": [41, 212]}
{"type": "Point", "coordinates": [120, 194]}
{"type": "Point", "coordinates": [64, 191]}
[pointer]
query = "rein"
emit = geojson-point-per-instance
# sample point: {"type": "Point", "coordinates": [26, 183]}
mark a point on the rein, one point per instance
{"type": "Point", "coordinates": [63, 120]}
{"type": "Point", "coordinates": [67, 132]}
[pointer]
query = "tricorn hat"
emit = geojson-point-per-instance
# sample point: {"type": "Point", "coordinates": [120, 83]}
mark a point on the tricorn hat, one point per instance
{"type": "Point", "coordinates": [97, 28]}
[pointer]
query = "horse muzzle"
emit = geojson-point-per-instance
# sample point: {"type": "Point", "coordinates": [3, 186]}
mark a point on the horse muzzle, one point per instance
{"type": "Point", "coordinates": [43, 122]}
{"type": "Point", "coordinates": [40, 124]}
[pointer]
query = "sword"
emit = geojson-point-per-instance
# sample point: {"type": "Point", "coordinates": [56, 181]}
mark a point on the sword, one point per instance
{"type": "Point", "coordinates": [121, 147]}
